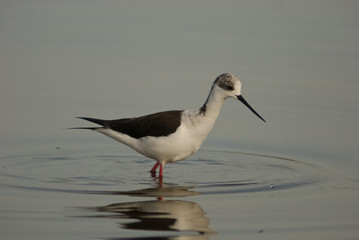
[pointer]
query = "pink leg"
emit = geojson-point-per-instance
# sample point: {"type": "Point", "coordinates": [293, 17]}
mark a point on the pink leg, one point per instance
{"type": "Point", "coordinates": [160, 183]}
{"type": "Point", "coordinates": [153, 170]}
{"type": "Point", "coordinates": [161, 171]}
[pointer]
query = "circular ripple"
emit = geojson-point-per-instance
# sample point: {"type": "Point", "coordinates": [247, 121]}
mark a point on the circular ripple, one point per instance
{"type": "Point", "coordinates": [236, 172]}
{"type": "Point", "coordinates": [207, 172]}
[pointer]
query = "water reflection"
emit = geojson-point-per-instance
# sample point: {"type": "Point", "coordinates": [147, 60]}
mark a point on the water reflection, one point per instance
{"type": "Point", "coordinates": [185, 217]}
{"type": "Point", "coordinates": [168, 190]}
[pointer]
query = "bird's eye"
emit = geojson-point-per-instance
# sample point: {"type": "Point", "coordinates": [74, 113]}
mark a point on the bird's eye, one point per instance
{"type": "Point", "coordinates": [230, 88]}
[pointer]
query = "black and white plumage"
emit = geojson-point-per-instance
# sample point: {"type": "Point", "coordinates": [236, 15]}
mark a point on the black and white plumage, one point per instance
{"type": "Point", "coordinates": [174, 135]}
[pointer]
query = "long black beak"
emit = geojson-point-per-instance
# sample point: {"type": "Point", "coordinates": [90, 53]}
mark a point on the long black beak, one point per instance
{"type": "Point", "coordinates": [240, 98]}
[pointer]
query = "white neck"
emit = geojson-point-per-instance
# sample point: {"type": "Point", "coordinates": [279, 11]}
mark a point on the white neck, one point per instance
{"type": "Point", "coordinates": [213, 104]}
{"type": "Point", "coordinates": [202, 120]}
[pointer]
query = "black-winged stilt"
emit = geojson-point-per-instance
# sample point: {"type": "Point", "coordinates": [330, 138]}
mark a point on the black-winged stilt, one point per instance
{"type": "Point", "coordinates": [172, 136]}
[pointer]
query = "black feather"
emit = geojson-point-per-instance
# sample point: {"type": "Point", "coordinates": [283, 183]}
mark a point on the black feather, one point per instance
{"type": "Point", "coordinates": [156, 125]}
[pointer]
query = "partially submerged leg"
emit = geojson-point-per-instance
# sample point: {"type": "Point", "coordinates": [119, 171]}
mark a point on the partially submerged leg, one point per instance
{"type": "Point", "coordinates": [161, 171]}
{"type": "Point", "coordinates": [153, 170]}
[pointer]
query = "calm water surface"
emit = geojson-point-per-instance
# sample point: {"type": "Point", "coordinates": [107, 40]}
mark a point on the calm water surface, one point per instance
{"type": "Point", "coordinates": [215, 194]}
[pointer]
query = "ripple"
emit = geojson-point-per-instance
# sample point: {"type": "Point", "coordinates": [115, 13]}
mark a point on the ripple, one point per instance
{"type": "Point", "coordinates": [237, 172]}
{"type": "Point", "coordinates": [208, 172]}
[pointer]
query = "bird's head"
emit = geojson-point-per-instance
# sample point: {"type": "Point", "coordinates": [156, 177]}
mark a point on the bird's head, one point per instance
{"type": "Point", "coordinates": [230, 86]}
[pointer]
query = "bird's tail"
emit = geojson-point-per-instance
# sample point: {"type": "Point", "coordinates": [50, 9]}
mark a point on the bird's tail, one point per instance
{"type": "Point", "coordinates": [94, 120]}
{"type": "Point", "coordinates": [88, 128]}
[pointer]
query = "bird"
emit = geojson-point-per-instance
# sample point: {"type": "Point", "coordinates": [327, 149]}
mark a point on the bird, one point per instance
{"type": "Point", "coordinates": [174, 135]}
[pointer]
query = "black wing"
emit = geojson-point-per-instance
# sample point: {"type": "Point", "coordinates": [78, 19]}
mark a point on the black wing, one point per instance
{"type": "Point", "coordinates": [156, 125]}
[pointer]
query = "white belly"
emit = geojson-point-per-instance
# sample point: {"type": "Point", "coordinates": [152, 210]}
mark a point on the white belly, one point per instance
{"type": "Point", "coordinates": [172, 148]}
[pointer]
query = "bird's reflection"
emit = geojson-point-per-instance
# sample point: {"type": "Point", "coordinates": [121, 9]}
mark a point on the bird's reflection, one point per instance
{"type": "Point", "coordinates": [160, 192]}
{"type": "Point", "coordinates": [185, 217]}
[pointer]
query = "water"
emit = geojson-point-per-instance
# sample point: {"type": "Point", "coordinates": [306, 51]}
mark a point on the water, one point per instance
{"type": "Point", "coordinates": [226, 172]}
{"type": "Point", "coordinates": [294, 177]}
{"type": "Point", "coordinates": [213, 194]}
